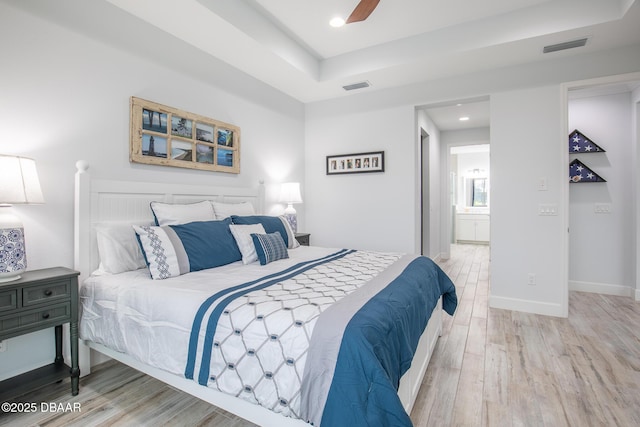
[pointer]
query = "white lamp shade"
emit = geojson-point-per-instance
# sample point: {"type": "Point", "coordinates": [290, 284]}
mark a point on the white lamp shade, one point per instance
{"type": "Point", "coordinates": [19, 183]}
{"type": "Point", "coordinates": [290, 192]}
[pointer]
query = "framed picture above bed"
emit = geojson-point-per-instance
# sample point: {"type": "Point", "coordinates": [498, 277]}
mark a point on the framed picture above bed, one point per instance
{"type": "Point", "coordinates": [355, 163]}
{"type": "Point", "coordinates": [162, 135]}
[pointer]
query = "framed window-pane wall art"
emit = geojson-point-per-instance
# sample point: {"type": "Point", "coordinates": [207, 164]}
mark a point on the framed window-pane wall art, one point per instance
{"type": "Point", "coordinates": [162, 135]}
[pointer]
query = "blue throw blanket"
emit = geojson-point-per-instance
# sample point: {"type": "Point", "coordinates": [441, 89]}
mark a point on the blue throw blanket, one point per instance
{"type": "Point", "coordinates": [378, 345]}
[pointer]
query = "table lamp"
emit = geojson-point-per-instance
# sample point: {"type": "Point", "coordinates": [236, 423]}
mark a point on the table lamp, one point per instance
{"type": "Point", "coordinates": [19, 184]}
{"type": "Point", "coordinates": [290, 194]}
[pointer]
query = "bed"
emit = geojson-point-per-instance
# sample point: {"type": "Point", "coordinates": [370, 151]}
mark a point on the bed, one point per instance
{"type": "Point", "coordinates": [288, 336]}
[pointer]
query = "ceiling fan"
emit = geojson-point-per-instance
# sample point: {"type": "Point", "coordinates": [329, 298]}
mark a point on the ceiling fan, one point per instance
{"type": "Point", "coordinates": [362, 11]}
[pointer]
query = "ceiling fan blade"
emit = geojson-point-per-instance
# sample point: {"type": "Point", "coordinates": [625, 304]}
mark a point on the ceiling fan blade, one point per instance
{"type": "Point", "coordinates": [362, 10]}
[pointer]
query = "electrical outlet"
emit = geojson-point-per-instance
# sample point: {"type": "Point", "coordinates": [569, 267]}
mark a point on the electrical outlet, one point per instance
{"type": "Point", "coordinates": [3, 346]}
{"type": "Point", "coordinates": [531, 279]}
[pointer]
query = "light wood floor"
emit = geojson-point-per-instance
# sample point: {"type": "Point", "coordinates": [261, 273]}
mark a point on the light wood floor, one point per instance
{"type": "Point", "coordinates": [490, 368]}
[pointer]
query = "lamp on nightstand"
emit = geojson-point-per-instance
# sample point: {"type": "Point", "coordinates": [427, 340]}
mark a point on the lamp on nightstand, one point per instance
{"type": "Point", "coordinates": [19, 184]}
{"type": "Point", "coordinates": [290, 194]}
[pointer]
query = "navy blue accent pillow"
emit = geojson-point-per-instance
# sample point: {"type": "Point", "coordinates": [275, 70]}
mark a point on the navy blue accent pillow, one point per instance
{"type": "Point", "coordinates": [208, 244]}
{"type": "Point", "coordinates": [269, 247]}
{"type": "Point", "coordinates": [271, 224]}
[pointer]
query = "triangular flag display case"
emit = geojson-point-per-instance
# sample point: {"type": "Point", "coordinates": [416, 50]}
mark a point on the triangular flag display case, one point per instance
{"type": "Point", "coordinates": [579, 172]}
{"type": "Point", "coordinates": [579, 143]}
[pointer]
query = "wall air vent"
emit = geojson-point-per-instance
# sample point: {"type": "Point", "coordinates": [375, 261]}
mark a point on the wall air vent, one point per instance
{"type": "Point", "coordinates": [566, 45]}
{"type": "Point", "coordinates": [354, 86]}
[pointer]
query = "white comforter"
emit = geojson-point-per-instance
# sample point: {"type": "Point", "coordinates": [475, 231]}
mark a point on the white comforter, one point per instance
{"type": "Point", "coordinates": [152, 320]}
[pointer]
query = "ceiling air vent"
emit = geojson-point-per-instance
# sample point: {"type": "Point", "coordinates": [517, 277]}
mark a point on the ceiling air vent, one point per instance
{"type": "Point", "coordinates": [354, 86]}
{"type": "Point", "coordinates": [565, 45]}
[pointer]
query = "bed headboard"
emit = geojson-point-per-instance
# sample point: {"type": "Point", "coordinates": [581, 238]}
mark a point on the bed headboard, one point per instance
{"type": "Point", "coordinates": [106, 201]}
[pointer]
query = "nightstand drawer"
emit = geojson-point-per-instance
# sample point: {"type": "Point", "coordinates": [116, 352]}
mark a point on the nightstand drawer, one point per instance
{"type": "Point", "coordinates": [48, 292]}
{"type": "Point", "coordinates": [53, 315]}
{"type": "Point", "coordinates": [8, 300]}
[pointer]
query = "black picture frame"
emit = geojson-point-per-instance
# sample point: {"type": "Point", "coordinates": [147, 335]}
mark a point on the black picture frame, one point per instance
{"type": "Point", "coordinates": [341, 164]}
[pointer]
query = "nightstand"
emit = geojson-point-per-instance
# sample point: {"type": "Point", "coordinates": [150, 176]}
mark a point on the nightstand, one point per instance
{"type": "Point", "coordinates": [303, 238]}
{"type": "Point", "coordinates": [41, 299]}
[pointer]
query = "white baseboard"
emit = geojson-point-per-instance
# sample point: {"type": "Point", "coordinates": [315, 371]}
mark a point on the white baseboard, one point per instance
{"type": "Point", "coordinates": [535, 307]}
{"type": "Point", "coordinates": [602, 288]}
{"type": "Point", "coordinates": [637, 294]}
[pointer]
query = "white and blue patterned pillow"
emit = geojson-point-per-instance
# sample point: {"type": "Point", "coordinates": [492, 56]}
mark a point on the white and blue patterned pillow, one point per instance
{"type": "Point", "coordinates": [173, 250]}
{"type": "Point", "coordinates": [269, 247]}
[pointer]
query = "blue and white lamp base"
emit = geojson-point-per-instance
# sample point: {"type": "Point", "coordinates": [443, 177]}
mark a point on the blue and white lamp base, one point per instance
{"type": "Point", "coordinates": [291, 217]}
{"type": "Point", "coordinates": [13, 258]}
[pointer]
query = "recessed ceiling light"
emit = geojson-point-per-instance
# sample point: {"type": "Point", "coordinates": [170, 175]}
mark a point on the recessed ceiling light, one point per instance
{"type": "Point", "coordinates": [464, 119]}
{"type": "Point", "coordinates": [337, 22]}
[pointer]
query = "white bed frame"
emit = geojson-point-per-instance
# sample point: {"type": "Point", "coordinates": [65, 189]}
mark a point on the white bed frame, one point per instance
{"type": "Point", "coordinates": [106, 201]}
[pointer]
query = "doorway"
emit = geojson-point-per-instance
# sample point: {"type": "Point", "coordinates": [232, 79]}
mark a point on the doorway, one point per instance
{"type": "Point", "coordinates": [470, 201]}
{"type": "Point", "coordinates": [602, 213]}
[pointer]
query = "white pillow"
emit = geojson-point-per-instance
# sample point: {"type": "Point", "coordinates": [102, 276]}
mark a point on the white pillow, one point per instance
{"type": "Point", "coordinates": [118, 249]}
{"type": "Point", "coordinates": [173, 214]}
{"type": "Point", "coordinates": [225, 210]}
{"type": "Point", "coordinates": [242, 234]}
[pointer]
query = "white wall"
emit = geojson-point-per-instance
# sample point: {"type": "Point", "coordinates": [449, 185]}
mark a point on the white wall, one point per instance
{"type": "Point", "coordinates": [601, 249]}
{"type": "Point", "coordinates": [66, 97]}
{"type": "Point", "coordinates": [362, 211]}
{"type": "Point", "coordinates": [526, 138]}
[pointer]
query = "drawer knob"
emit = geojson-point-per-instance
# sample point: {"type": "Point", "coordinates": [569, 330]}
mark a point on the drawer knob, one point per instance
{"type": "Point", "coordinates": [48, 293]}
{"type": "Point", "coordinates": [45, 315]}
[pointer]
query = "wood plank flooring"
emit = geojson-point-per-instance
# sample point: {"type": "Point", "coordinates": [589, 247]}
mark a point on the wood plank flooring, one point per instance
{"type": "Point", "coordinates": [490, 368]}
{"type": "Point", "coordinates": [501, 368]}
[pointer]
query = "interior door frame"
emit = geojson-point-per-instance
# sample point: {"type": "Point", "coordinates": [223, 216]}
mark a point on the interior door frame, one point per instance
{"type": "Point", "coordinates": [425, 193]}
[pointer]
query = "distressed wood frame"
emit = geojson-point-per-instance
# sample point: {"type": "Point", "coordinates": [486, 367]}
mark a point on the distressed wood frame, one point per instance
{"type": "Point", "coordinates": [162, 135]}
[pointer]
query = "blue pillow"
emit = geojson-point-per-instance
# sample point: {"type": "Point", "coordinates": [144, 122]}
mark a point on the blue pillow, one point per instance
{"type": "Point", "coordinates": [269, 247]}
{"type": "Point", "coordinates": [178, 249]}
{"type": "Point", "coordinates": [271, 224]}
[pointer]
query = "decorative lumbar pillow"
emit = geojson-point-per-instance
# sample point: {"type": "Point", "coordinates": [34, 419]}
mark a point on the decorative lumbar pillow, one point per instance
{"type": "Point", "coordinates": [225, 210]}
{"type": "Point", "coordinates": [242, 234]}
{"type": "Point", "coordinates": [178, 249]}
{"type": "Point", "coordinates": [171, 214]}
{"type": "Point", "coordinates": [118, 249]}
{"type": "Point", "coordinates": [269, 247]}
{"type": "Point", "coordinates": [271, 224]}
